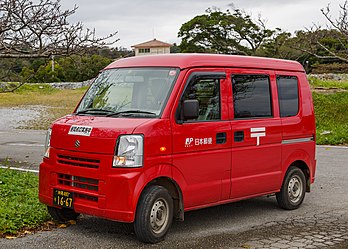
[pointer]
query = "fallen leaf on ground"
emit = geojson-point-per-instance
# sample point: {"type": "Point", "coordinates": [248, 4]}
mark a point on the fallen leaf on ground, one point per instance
{"type": "Point", "coordinates": [10, 237]}
{"type": "Point", "coordinates": [62, 226]}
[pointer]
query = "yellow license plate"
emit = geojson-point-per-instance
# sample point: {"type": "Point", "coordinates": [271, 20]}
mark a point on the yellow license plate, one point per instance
{"type": "Point", "coordinates": [63, 198]}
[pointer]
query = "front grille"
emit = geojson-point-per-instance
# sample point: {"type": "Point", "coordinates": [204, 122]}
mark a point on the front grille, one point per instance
{"type": "Point", "coordinates": [87, 197]}
{"type": "Point", "coordinates": [78, 182]}
{"type": "Point", "coordinates": [78, 161]}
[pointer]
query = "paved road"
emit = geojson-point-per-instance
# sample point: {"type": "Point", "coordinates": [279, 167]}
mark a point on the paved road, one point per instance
{"type": "Point", "coordinates": [24, 146]}
{"type": "Point", "coordinates": [321, 222]}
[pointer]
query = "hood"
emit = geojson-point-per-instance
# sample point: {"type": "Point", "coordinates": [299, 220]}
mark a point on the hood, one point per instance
{"type": "Point", "coordinates": [91, 134]}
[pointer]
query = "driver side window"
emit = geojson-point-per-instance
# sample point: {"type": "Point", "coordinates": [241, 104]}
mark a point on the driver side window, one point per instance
{"type": "Point", "coordinates": [207, 92]}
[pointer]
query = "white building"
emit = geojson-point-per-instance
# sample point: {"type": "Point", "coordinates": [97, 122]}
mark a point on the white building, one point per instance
{"type": "Point", "coordinates": [152, 47]}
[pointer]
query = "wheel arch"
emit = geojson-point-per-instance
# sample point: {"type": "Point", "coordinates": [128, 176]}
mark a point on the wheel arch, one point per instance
{"type": "Point", "coordinates": [161, 176]}
{"type": "Point", "coordinates": [302, 165]}
{"type": "Point", "coordinates": [174, 191]}
{"type": "Point", "coordinates": [300, 158]}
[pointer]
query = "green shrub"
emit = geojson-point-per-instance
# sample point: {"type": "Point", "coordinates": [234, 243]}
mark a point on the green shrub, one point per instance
{"type": "Point", "coordinates": [331, 112]}
{"type": "Point", "coordinates": [19, 205]}
{"type": "Point", "coordinates": [315, 82]}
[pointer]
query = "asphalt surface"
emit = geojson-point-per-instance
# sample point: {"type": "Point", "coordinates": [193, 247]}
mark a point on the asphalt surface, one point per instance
{"type": "Point", "coordinates": [321, 221]}
{"type": "Point", "coordinates": [26, 147]}
{"type": "Point", "coordinates": [15, 117]}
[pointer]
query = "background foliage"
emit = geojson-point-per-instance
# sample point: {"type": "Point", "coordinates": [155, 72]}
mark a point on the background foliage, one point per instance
{"type": "Point", "coordinates": [231, 31]}
{"type": "Point", "coordinates": [73, 68]}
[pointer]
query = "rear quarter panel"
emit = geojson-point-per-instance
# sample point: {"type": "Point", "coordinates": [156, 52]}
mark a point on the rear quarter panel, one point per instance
{"type": "Point", "coordinates": [300, 126]}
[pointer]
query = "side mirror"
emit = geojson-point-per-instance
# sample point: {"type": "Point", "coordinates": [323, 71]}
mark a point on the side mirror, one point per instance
{"type": "Point", "coordinates": [190, 109]}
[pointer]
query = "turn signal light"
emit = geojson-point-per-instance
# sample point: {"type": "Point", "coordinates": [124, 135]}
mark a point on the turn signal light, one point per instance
{"type": "Point", "coordinates": [119, 160]}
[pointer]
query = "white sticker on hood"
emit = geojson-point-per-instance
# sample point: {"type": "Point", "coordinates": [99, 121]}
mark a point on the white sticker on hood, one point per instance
{"type": "Point", "coordinates": [80, 130]}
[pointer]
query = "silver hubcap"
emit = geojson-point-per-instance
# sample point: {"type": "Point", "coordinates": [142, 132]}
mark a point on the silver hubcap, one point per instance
{"type": "Point", "coordinates": [159, 216]}
{"type": "Point", "coordinates": [295, 189]}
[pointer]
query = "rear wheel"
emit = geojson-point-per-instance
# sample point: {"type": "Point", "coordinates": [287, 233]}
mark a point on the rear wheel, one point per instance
{"type": "Point", "coordinates": [154, 214]}
{"type": "Point", "coordinates": [293, 190]}
{"type": "Point", "coordinates": [63, 214]}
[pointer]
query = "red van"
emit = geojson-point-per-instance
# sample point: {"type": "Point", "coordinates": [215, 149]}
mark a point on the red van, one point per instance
{"type": "Point", "coordinates": [155, 136]}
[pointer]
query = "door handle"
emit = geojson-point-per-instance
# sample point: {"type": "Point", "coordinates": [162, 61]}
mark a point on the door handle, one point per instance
{"type": "Point", "coordinates": [239, 136]}
{"type": "Point", "coordinates": [221, 138]}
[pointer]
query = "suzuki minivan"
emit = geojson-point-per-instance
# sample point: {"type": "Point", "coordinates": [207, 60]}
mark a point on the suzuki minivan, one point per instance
{"type": "Point", "coordinates": [156, 136]}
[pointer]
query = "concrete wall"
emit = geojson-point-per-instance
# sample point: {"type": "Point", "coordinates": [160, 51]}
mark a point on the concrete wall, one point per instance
{"type": "Point", "coordinates": [70, 85]}
{"type": "Point", "coordinates": [330, 76]}
{"type": "Point", "coordinates": [58, 85]}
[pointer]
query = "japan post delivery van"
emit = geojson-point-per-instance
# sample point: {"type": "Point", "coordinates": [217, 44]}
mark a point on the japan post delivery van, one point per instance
{"type": "Point", "coordinates": [156, 136]}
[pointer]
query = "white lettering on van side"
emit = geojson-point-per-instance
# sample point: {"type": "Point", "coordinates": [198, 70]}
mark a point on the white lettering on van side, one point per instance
{"type": "Point", "coordinates": [190, 141]}
{"type": "Point", "coordinates": [80, 130]}
{"type": "Point", "coordinates": [258, 132]}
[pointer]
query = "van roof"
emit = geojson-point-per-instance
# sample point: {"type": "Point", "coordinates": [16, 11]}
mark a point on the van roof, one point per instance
{"type": "Point", "coordinates": [183, 61]}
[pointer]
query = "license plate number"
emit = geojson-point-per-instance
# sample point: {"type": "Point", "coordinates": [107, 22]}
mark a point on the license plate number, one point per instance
{"type": "Point", "coordinates": [63, 198]}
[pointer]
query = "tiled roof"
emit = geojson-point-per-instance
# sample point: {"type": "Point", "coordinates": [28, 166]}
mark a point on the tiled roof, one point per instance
{"type": "Point", "coordinates": [152, 43]}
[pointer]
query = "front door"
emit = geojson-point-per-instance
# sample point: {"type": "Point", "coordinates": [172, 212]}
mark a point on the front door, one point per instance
{"type": "Point", "coordinates": [202, 146]}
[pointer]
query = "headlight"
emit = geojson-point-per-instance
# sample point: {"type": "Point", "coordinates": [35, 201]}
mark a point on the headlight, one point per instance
{"type": "Point", "coordinates": [48, 143]}
{"type": "Point", "coordinates": [129, 151]}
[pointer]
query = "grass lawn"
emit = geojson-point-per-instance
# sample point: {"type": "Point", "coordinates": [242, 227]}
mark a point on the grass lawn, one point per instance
{"type": "Point", "coordinates": [331, 112]}
{"type": "Point", "coordinates": [19, 206]}
{"type": "Point", "coordinates": [55, 103]}
{"type": "Point", "coordinates": [314, 82]}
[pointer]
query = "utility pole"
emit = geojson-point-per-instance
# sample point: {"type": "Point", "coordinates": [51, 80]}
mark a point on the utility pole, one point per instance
{"type": "Point", "coordinates": [52, 63]}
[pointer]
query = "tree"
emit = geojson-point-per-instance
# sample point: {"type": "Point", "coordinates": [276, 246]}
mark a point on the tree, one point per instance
{"type": "Point", "coordinates": [284, 45]}
{"type": "Point", "coordinates": [175, 49]}
{"type": "Point", "coordinates": [41, 29]}
{"type": "Point", "coordinates": [276, 46]}
{"type": "Point", "coordinates": [74, 68]}
{"type": "Point", "coordinates": [80, 68]}
{"type": "Point", "coordinates": [230, 32]}
{"type": "Point", "coordinates": [10, 69]}
{"type": "Point", "coordinates": [45, 73]}
{"type": "Point", "coordinates": [329, 44]}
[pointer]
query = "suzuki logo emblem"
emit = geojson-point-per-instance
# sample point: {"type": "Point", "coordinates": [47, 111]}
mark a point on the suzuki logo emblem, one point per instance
{"type": "Point", "coordinates": [77, 143]}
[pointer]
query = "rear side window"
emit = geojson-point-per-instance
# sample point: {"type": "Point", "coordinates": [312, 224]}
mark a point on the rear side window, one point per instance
{"type": "Point", "coordinates": [251, 96]}
{"type": "Point", "coordinates": [288, 95]}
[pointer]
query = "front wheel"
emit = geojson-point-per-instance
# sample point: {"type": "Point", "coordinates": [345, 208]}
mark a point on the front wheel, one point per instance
{"type": "Point", "coordinates": [154, 214]}
{"type": "Point", "coordinates": [293, 190]}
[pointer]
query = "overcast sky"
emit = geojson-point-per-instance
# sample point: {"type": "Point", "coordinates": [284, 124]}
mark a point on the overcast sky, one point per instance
{"type": "Point", "coordinates": [141, 20]}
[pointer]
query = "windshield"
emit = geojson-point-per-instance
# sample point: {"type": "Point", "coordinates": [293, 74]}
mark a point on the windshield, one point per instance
{"type": "Point", "coordinates": [140, 92]}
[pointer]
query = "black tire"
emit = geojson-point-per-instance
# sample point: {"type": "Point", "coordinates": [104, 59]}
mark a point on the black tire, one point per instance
{"type": "Point", "coordinates": [293, 190]}
{"type": "Point", "coordinates": [63, 214]}
{"type": "Point", "coordinates": [154, 214]}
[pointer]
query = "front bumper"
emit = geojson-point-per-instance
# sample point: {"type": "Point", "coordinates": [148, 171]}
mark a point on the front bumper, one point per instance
{"type": "Point", "coordinates": [98, 189]}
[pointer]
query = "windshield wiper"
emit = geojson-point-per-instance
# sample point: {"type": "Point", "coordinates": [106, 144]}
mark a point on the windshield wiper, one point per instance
{"type": "Point", "coordinates": [94, 111]}
{"type": "Point", "coordinates": [130, 112]}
